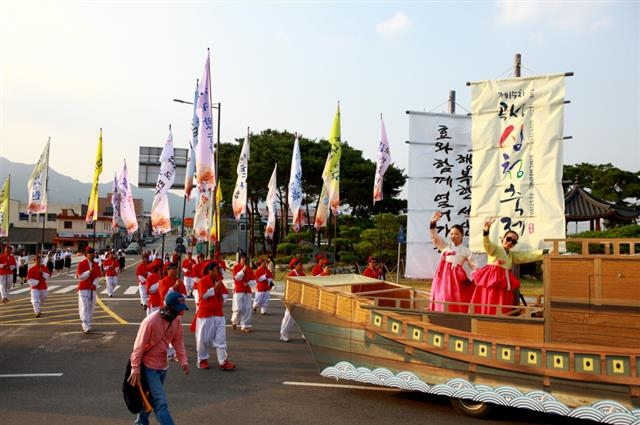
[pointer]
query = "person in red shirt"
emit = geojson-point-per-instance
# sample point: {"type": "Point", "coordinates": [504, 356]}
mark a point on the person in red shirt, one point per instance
{"type": "Point", "coordinates": [111, 267]}
{"type": "Point", "coordinates": [153, 286]}
{"type": "Point", "coordinates": [89, 273]}
{"type": "Point", "coordinates": [321, 261]}
{"type": "Point", "coordinates": [210, 324]}
{"type": "Point", "coordinates": [295, 265]}
{"type": "Point", "coordinates": [171, 282]}
{"type": "Point", "coordinates": [7, 266]}
{"type": "Point", "coordinates": [373, 270]}
{"type": "Point", "coordinates": [141, 277]}
{"type": "Point", "coordinates": [264, 283]}
{"type": "Point", "coordinates": [37, 278]}
{"type": "Point", "coordinates": [243, 280]}
{"type": "Point", "coordinates": [189, 273]}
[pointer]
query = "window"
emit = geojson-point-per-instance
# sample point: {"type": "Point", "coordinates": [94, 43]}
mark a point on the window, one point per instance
{"type": "Point", "coordinates": [68, 225]}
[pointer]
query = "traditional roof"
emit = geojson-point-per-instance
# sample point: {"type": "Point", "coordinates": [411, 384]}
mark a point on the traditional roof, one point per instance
{"type": "Point", "coordinates": [580, 205]}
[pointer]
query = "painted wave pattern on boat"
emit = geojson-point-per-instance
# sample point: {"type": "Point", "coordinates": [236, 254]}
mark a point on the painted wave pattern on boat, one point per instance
{"type": "Point", "coordinates": [609, 412]}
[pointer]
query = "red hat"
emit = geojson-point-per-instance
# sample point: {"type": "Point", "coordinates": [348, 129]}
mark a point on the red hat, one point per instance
{"type": "Point", "coordinates": [294, 262]}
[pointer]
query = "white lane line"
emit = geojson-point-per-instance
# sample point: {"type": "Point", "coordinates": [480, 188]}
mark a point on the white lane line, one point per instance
{"type": "Point", "coordinates": [356, 387]}
{"type": "Point", "coordinates": [20, 291]}
{"type": "Point", "coordinates": [106, 291]}
{"type": "Point", "coordinates": [66, 289]}
{"type": "Point", "coordinates": [131, 290]}
{"type": "Point", "coordinates": [31, 375]}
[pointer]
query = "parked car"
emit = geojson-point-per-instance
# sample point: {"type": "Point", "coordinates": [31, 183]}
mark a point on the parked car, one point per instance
{"type": "Point", "coordinates": [133, 248]}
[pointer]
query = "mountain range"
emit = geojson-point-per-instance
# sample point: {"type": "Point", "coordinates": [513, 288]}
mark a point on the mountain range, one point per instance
{"type": "Point", "coordinates": [67, 190]}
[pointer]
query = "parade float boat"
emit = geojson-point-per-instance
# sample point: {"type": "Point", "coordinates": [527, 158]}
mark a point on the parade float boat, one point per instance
{"type": "Point", "coordinates": [575, 351]}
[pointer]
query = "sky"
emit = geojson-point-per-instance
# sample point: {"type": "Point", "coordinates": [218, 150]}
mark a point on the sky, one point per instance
{"type": "Point", "coordinates": [69, 68]}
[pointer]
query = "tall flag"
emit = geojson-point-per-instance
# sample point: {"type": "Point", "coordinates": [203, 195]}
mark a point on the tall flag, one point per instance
{"type": "Point", "coordinates": [191, 164]}
{"type": "Point", "coordinates": [4, 207]}
{"type": "Point", "coordinates": [294, 197]}
{"type": "Point", "coordinates": [331, 172]}
{"type": "Point", "coordinates": [92, 210]}
{"type": "Point", "coordinates": [127, 208]}
{"type": "Point", "coordinates": [205, 164]}
{"type": "Point", "coordinates": [160, 214]}
{"type": "Point", "coordinates": [37, 184]}
{"type": "Point", "coordinates": [322, 212]}
{"type": "Point", "coordinates": [115, 204]}
{"type": "Point", "coordinates": [215, 227]}
{"type": "Point", "coordinates": [201, 225]}
{"type": "Point", "coordinates": [383, 159]}
{"type": "Point", "coordinates": [239, 200]}
{"type": "Point", "coordinates": [271, 205]}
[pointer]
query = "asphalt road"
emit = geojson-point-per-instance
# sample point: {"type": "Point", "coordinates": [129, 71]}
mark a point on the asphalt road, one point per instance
{"type": "Point", "coordinates": [51, 373]}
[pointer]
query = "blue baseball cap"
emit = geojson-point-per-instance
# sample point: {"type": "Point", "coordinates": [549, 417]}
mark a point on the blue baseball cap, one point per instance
{"type": "Point", "coordinates": [175, 300]}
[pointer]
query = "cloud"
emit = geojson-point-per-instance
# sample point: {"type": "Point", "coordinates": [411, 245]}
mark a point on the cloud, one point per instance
{"type": "Point", "coordinates": [397, 24]}
{"type": "Point", "coordinates": [574, 17]}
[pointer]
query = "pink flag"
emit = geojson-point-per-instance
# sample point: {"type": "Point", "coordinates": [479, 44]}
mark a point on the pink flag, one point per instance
{"type": "Point", "coordinates": [205, 166]}
{"type": "Point", "coordinates": [127, 208]}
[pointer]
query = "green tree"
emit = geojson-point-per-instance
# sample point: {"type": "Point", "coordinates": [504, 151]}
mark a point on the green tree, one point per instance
{"type": "Point", "coordinates": [605, 181]}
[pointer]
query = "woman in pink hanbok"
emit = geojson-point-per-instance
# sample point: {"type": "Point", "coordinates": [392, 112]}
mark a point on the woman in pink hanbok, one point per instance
{"type": "Point", "coordinates": [495, 284]}
{"type": "Point", "coordinates": [451, 284]}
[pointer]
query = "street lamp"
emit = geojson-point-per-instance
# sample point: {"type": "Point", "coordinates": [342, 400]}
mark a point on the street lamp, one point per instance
{"type": "Point", "coordinates": [217, 106]}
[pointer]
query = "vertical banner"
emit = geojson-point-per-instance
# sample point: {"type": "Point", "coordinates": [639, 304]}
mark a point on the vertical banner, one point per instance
{"type": "Point", "coordinates": [271, 205]}
{"type": "Point", "coordinates": [439, 180]}
{"type": "Point", "coordinates": [294, 197]}
{"type": "Point", "coordinates": [239, 199]}
{"type": "Point", "coordinates": [205, 167]}
{"type": "Point", "coordinates": [383, 159]}
{"type": "Point", "coordinates": [215, 222]}
{"type": "Point", "coordinates": [5, 196]}
{"type": "Point", "coordinates": [201, 219]}
{"type": "Point", "coordinates": [160, 214]}
{"type": "Point", "coordinates": [37, 184]}
{"type": "Point", "coordinates": [517, 150]}
{"type": "Point", "coordinates": [191, 163]}
{"type": "Point", "coordinates": [92, 210]}
{"type": "Point", "coordinates": [127, 208]}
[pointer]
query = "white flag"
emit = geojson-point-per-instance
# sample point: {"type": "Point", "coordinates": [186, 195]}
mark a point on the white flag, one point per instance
{"type": "Point", "coordinates": [383, 159]}
{"type": "Point", "coordinates": [295, 187]}
{"type": "Point", "coordinates": [5, 200]}
{"type": "Point", "coordinates": [127, 209]}
{"type": "Point", "coordinates": [205, 166]}
{"type": "Point", "coordinates": [37, 184]}
{"type": "Point", "coordinates": [271, 205]}
{"type": "Point", "coordinates": [239, 200]}
{"type": "Point", "coordinates": [115, 204]}
{"type": "Point", "coordinates": [160, 214]}
{"type": "Point", "coordinates": [201, 219]}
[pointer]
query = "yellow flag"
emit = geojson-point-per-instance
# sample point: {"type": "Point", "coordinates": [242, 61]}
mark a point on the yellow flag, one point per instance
{"type": "Point", "coordinates": [4, 207]}
{"type": "Point", "coordinates": [331, 172]}
{"type": "Point", "coordinates": [215, 228]}
{"type": "Point", "coordinates": [92, 210]}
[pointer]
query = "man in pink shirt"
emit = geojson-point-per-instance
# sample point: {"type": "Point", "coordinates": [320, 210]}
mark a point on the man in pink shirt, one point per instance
{"type": "Point", "coordinates": [149, 357]}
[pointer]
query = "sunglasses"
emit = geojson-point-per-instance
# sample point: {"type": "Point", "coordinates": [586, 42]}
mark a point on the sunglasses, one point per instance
{"type": "Point", "coordinates": [511, 240]}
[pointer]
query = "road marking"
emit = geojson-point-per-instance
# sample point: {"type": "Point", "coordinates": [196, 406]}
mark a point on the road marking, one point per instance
{"type": "Point", "coordinates": [131, 290]}
{"type": "Point", "coordinates": [67, 289]}
{"type": "Point", "coordinates": [32, 375]}
{"type": "Point", "coordinates": [356, 387]}
{"type": "Point", "coordinates": [20, 291]}
{"type": "Point", "coordinates": [111, 312]}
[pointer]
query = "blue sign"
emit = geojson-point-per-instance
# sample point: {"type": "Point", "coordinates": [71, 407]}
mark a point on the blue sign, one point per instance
{"type": "Point", "coordinates": [401, 238]}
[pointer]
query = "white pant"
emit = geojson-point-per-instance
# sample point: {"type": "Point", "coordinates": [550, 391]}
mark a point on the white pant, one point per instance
{"type": "Point", "coordinates": [241, 307]}
{"type": "Point", "coordinates": [262, 300]}
{"type": "Point", "coordinates": [5, 282]}
{"type": "Point", "coordinates": [38, 296]}
{"type": "Point", "coordinates": [86, 306]}
{"type": "Point", "coordinates": [188, 283]}
{"type": "Point", "coordinates": [112, 282]}
{"type": "Point", "coordinates": [143, 294]}
{"type": "Point", "coordinates": [211, 333]}
{"type": "Point", "coordinates": [287, 324]}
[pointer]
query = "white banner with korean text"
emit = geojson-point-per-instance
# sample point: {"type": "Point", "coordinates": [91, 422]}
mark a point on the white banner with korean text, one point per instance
{"type": "Point", "coordinates": [517, 131]}
{"type": "Point", "coordinates": [439, 180]}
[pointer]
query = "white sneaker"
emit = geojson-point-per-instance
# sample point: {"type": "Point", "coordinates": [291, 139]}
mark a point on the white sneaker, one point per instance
{"type": "Point", "coordinates": [284, 339]}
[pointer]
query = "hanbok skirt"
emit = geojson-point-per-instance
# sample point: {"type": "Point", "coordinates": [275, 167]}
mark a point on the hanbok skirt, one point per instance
{"type": "Point", "coordinates": [452, 285]}
{"type": "Point", "coordinates": [492, 287]}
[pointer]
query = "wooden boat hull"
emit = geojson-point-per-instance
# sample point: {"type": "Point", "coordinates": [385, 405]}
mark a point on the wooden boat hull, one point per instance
{"type": "Point", "coordinates": [352, 339]}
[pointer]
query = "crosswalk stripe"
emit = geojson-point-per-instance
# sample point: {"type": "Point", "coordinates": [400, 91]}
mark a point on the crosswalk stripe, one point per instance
{"type": "Point", "coordinates": [106, 291]}
{"type": "Point", "coordinates": [131, 290]}
{"type": "Point", "coordinates": [20, 291]}
{"type": "Point", "coordinates": [66, 289]}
